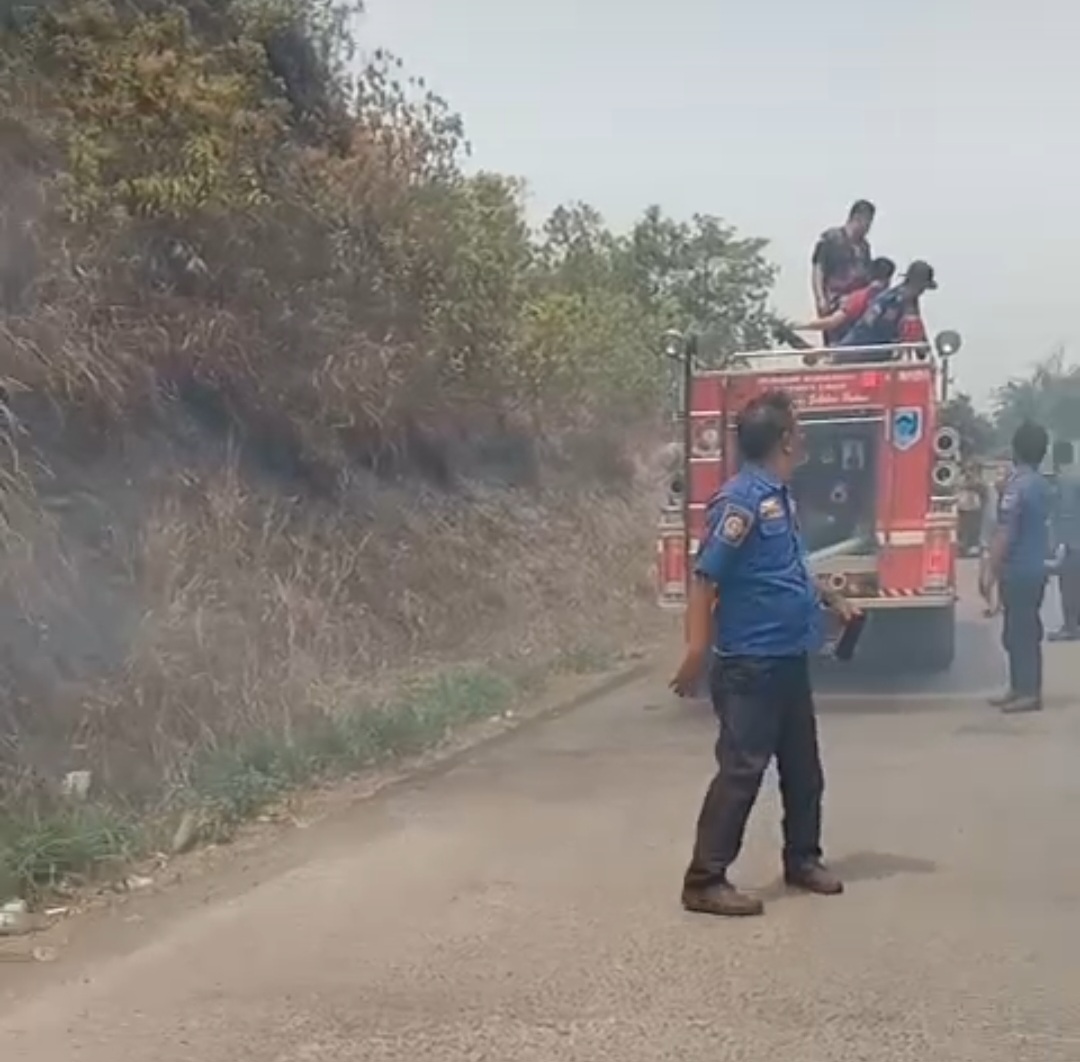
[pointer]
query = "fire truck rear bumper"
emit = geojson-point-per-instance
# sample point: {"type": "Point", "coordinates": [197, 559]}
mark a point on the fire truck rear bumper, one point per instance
{"type": "Point", "coordinates": [893, 599]}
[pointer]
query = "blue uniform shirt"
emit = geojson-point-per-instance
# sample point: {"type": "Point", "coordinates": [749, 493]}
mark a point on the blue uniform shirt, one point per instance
{"type": "Point", "coordinates": [1023, 514]}
{"type": "Point", "coordinates": [880, 324]}
{"type": "Point", "coordinates": [753, 552]}
{"type": "Point", "coordinates": [1067, 509]}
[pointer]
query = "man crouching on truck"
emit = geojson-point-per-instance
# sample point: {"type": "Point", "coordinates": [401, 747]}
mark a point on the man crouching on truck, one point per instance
{"type": "Point", "coordinates": [890, 317]}
{"type": "Point", "coordinates": [752, 586]}
{"type": "Point", "coordinates": [851, 307]}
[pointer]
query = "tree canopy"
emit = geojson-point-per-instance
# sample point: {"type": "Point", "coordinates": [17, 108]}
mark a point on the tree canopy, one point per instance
{"type": "Point", "coordinates": [306, 241]}
{"type": "Point", "coordinates": [1048, 394]}
{"type": "Point", "coordinates": [977, 430]}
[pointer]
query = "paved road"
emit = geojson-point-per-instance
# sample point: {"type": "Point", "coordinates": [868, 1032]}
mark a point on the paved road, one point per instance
{"type": "Point", "coordinates": [524, 907]}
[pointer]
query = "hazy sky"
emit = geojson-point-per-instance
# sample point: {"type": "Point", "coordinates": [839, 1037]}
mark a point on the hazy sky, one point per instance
{"type": "Point", "coordinates": [960, 118]}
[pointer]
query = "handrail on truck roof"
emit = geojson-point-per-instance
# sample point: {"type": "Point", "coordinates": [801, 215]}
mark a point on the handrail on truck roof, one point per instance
{"type": "Point", "coordinates": [817, 358]}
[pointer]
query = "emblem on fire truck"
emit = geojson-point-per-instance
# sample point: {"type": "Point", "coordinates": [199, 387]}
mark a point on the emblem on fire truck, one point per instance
{"type": "Point", "coordinates": [907, 427]}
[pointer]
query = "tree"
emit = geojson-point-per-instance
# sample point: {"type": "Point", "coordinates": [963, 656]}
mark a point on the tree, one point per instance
{"type": "Point", "coordinates": [976, 429]}
{"type": "Point", "coordinates": [601, 300]}
{"type": "Point", "coordinates": [1049, 395]}
{"type": "Point", "coordinates": [224, 167]}
{"type": "Point", "coordinates": [704, 275]}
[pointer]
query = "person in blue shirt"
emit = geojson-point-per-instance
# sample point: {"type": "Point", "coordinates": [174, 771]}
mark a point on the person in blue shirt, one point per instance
{"type": "Point", "coordinates": [1066, 535]}
{"type": "Point", "coordinates": [755, 609]}
{"type": "Point", "coordinates": [1018, 561]}
{"type": "Point", "coordinates": [883, 322]}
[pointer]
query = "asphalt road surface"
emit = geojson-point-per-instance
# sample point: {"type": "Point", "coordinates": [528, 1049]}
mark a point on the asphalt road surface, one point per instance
{"type": "Point", "coordinates": [523, 907]}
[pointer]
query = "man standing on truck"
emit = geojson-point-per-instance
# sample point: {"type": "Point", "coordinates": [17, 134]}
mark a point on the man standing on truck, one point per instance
{"type": "Point", "coordinates": [889, 317]}
{"type": "Point", "coordinates": [1017, 563]}
{"type": "Point", "coordinates": [850, 308]}
{"type": "Point", "coordinates": [841, 260]}
{"type": "Point", "coordinates": [765, 624]}
{"type": "Point", "coordinates": [1066, 526]}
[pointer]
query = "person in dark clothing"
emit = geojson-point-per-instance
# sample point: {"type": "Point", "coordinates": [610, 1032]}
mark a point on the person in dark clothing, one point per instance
{"type": "Point", "coordinates": [753, 599]}
{"type": "Point", "coordinates": [841, 261]}
{"type": "Point", "coordinates": [988, 586]}
{"type": "Point", "coordinates": [1017, 562]}
{"type": "Point", "coordinates": [1066, 535]}
{"type": "Point", "coordinates": [970, 502]}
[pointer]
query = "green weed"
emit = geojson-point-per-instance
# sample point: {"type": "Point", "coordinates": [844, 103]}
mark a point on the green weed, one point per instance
{"type": "Point", "coordinates": [231, 785]}
{"type": "Point", "coordinates": [234, 785]}
{"type": "Point", "coordinates": [38, 850]}
{"type": "Point", "coordinates": [585, 660]}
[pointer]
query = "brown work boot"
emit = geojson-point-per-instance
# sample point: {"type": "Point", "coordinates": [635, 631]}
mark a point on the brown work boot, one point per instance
{"type": "Point", "coordinates": [814, 877]}
{"type": "Point", "coordinates": [1022, 704]}
{"type": "Point", "coordinates": [722, 899]}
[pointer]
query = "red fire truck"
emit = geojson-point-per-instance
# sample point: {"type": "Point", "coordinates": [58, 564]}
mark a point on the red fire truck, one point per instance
{"type": "Point", "coordinates": [876, 490]}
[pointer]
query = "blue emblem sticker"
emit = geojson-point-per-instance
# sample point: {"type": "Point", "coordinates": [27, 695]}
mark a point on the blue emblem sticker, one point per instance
{"type": "Point", "coordinates": [907, 427]}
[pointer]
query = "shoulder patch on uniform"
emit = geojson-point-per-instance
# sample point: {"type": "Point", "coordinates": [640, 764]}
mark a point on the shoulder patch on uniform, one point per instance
{"type": "Point", "coordinates": [733, 525]}
{"type": "Point", "coordinates": [770, 508]}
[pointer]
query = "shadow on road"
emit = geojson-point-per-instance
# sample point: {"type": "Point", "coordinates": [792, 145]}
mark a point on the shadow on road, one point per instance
{"type": "Point", "coordinates": [861, 866]}
{"type": "Point", "coordinates": [877, 866]}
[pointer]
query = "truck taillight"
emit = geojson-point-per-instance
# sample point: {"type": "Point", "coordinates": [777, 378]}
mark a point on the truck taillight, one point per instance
{"type": "Point", "coordinates": [937, 559]}
{"type": "Point", "coordinates": [671, 559]}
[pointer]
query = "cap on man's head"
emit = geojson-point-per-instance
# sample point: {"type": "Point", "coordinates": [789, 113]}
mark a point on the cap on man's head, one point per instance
{"type": "Point", "coordinates": [922, 274]}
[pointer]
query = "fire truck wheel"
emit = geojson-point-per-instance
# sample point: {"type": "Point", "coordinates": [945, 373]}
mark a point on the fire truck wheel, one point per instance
{"type": "Point", "coordinates": [931, 633]}
{"type": "Point", "coordinates": [920, 640]}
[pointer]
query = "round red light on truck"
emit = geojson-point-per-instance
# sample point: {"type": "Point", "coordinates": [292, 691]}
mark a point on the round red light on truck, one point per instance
{"type": "Point", "coordinates": [707, 438]}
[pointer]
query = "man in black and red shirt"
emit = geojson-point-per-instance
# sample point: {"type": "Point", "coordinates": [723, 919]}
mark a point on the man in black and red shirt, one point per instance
{"type": "Point", "coordinates": [894, 317]}
{"type": "Point", "coordinates": [841, 260]}
{"type": "Point", "coordinates": [851, 307]}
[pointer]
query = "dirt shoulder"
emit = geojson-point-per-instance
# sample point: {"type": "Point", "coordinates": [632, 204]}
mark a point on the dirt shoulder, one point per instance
{"type": "Point", "coordinates": [97, 925]}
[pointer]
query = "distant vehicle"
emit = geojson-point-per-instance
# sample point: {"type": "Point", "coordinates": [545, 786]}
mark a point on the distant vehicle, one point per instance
{"type": "Point", "coordinates": [876, 493]}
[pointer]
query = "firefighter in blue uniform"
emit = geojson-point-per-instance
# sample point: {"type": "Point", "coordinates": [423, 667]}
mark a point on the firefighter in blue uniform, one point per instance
{"type": "Point", "coordinates": [754, 605]}
{"type": "Point", "coordinates": [1018, 564]}
{"type": "Point", "coordinates": [1066, 525]}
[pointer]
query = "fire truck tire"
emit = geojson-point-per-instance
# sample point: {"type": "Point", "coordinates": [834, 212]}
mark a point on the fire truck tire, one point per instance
{"type": "Point", "coordinates": [933, 639]}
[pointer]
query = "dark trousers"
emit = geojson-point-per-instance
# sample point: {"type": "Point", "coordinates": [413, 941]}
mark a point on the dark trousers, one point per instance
{"type": "Point", "coordinates": [1022, 633]}
{"type": "Point", "coordinates": [1069, 587]}
{"type": "Point", "coordinates": [970, 526]}
{"type": "Point", "coordinates": [766, 708]}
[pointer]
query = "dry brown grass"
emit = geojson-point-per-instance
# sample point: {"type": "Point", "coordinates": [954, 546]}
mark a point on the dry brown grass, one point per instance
{"type": "Point", "coordinates": [257, 615]}
{"type": "Point", "coordinates": [281, 457]}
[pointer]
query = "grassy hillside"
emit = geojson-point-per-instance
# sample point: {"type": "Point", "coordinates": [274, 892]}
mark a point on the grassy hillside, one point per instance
{"type": "Point", "coordinates": [297, 407]}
